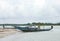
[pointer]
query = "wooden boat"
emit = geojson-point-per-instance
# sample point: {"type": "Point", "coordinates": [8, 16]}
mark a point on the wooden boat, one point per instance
{"type": "Point", "coordinates": [27, 29]}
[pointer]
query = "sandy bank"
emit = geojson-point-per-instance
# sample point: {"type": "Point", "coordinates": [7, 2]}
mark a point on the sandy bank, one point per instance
{"type": "Point", "coordinates": [6, 32]}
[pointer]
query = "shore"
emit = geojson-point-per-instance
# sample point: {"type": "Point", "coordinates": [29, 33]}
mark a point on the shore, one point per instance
{"type": "Point", "coordinates": [6, 32]}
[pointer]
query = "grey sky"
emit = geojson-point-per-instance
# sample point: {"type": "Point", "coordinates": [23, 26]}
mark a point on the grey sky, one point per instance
{"type": "Point", "coordinates": [24, 11]}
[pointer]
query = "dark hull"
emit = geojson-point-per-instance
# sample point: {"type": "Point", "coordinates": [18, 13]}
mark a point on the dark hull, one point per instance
{"type": "Point", "coordinates": [26, 29]}
{"type": "Point", "coordinates": [36, 30]}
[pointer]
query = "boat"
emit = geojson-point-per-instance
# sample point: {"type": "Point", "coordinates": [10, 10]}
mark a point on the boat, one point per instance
{"type": "Point", "coordinates": [28, 29]}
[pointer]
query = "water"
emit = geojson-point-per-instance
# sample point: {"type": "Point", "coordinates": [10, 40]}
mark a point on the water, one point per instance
{"type": "Point", "coordinates": [53, 35]}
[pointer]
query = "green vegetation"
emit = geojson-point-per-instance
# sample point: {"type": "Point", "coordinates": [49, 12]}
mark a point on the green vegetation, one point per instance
{"type": "Point", "coordinates": [39, 23]}
{"type": "Point", "coordinates": [33, 23]}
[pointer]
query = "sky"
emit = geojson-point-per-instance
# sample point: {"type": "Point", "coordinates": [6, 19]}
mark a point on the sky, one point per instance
{"type": "Point", "coordinates": [27, 11]}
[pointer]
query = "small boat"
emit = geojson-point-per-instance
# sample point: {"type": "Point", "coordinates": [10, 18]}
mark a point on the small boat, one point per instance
{"type": "Point", "coordinates": [27, 29]}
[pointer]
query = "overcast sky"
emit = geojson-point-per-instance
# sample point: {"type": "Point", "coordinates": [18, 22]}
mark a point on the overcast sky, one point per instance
{"type": "Point", "coordinates": [24, 11]}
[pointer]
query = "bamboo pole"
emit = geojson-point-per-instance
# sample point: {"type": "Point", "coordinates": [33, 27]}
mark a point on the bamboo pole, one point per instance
{"type": "Point", "coordinates": [3, 26]}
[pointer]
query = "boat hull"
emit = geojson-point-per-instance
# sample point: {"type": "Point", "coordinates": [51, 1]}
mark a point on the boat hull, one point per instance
{"type": "Point", "coordinates": [27, 29]}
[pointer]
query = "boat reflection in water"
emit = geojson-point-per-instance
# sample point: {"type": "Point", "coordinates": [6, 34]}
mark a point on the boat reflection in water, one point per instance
{"type": "Point", "coordinates": [28, 29]}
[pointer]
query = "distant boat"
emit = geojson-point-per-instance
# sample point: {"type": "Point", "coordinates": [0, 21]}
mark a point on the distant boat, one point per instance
{"type": "Point", "coordinates": [28, 29]}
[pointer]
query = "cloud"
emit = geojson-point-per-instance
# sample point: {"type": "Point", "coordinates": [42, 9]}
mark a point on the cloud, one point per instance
{"type": "Point", "coordinates": [15, 11]}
